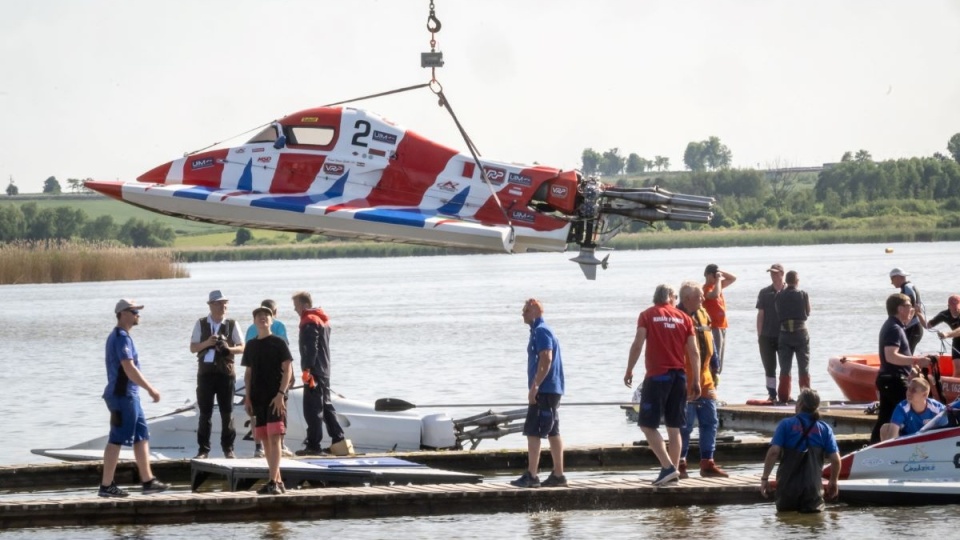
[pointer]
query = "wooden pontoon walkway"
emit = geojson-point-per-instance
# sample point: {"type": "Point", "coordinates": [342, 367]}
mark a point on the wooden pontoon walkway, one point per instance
{"type": "Point", "coordinates": [86, 474]}
{"type": "Point", "coordinates": [378, 501]}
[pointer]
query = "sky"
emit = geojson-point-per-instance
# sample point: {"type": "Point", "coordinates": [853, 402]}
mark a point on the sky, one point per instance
{"type": "Point", "coordinates": [108, 89]}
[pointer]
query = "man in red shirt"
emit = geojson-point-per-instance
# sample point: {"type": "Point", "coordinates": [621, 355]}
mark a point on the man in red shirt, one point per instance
{"type": "Point", "coordinates": [715, 281]}
{"type": "Point", "coordinates": [671, 343]}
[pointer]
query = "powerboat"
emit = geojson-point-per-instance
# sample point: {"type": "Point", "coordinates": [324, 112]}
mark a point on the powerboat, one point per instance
{"type": "Point", "coordinates": [856, 375]}
{"type": "Point", "coordinates": [369, 428]}
{"type": "Point", "coordinates": [351, 173]}
{"type": "Point", "coordinates": [922, 468]}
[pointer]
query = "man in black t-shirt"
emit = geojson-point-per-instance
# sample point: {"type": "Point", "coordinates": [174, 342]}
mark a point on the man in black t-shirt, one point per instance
{"type": "Point", "coordinates": [268, 362]}
{"type": "Point", "coordinates": [951, 316]}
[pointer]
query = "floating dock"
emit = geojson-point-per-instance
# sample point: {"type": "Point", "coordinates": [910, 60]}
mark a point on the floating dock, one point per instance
{"type": "Point", "coordinates": [375, 501]}
{"type": "Point", "coordinates": [845, 419]}
{"type": "Point", "coordinates": [86, 474]}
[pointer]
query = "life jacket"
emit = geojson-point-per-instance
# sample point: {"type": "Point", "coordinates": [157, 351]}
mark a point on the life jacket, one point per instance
{"type": "Point", "coordinates": [221, 363]}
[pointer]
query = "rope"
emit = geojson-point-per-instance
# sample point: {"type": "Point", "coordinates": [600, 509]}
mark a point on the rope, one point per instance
{"type": "Point", "coordinates": [445, 103]}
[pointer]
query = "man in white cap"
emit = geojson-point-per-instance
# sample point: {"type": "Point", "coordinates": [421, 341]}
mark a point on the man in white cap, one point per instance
{"type": "Point", "coordinates": [128, 425]}
{"type": "Point", "coordinates": [768, 330]}
{"type": "Point", "coordinates": [215, 341]}
{"type": "Point", "coordinates": [898, 278]}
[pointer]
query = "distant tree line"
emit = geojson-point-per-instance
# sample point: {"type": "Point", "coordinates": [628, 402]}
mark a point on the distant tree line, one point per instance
{"type": "Point", "coordinates": [31, 223]}
{"type": "Point", "coordinates": [857, 192]}
{"type": "Point", "coordinates": [51, 186]}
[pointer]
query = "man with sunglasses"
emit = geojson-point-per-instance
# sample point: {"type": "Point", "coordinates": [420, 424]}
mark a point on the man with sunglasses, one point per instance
{"type": "Point", "coordinates": [128, 425]}
{"type": "Point", "coordinates": [896, 360]}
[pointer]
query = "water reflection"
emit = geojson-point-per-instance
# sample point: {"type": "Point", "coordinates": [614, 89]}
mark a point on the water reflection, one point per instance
{"type": "Point", "coordinates": [547, 525]}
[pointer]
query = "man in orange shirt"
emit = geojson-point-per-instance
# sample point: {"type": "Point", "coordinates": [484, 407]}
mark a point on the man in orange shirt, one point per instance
{"type": "Point", "coordinates": [716, 281]}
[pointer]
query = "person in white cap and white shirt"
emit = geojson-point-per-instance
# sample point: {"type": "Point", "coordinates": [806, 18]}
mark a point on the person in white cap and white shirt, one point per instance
{"type": "Point", "coordinates": [216, 340]}
{"type": "Point", "coordinates": [898, 277]}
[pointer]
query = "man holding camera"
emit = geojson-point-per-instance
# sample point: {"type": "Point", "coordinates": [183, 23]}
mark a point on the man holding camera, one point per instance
{"type": "Point", "coordinates": [216, 340]}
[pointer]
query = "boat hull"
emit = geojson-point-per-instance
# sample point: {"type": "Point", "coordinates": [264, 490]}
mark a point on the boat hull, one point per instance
{"type": "Point", "coordinates": [922, 468]}
{"type": "Point", "coordinates": [856, 376]}
{"type": "Point", "coordinates": [174, 435]}
{"type": "Point", "coordinates": [887, 492]}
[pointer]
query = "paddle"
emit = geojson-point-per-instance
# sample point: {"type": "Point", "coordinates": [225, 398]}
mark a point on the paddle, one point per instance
{"type": "Point", "coordinates": [398, 405]}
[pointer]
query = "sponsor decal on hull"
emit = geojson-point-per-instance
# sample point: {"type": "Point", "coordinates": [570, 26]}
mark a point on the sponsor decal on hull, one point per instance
{"type": "Point", "coordinates": [448, 186]}
{"type": "Point", "coordinates": [559, 192]}
{"type": "Point", "coordinates": [334, 169]}
{"type": "Point", "coordinates": [494, 175]}
{"type": "Point", "coordinates": [520, 215]}
{"type": "Point", "coordinates": [520, 180]}
{"type": "Point", "coordinates": [381, 136]}
{"type": "Point", "coordinates": [198, 164]}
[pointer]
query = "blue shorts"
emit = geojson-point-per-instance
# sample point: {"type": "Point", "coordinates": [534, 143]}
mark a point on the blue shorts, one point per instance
{"type": "Point", "coordinates": [543, 420]}
{"type": "Point", "coordinates": [664, 396]}
{"type": "Point", "coordinates": [127, 422]}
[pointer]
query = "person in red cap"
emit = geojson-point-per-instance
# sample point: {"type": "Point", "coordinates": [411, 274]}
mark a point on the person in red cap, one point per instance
{"type": "Point", "coordinates": [951, 316]}
{"type": "Point", "coordinates": [768, 328]}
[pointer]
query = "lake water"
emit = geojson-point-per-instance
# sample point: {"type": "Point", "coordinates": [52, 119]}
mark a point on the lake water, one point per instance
{"type": "Point", "coordinates": [448, 330]}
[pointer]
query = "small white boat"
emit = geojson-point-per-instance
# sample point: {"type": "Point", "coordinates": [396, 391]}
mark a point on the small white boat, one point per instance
{"type": "Point", "coordinates": [922, 468]}
{"type": "Point", "coordinates": [174, 435]}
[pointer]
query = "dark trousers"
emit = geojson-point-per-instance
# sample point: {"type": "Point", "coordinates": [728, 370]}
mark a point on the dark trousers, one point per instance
{"type": "Point", "coordinates": [219, 386]}
{"type": "Point", "coordinates": [892, 389]}
{"type": "Point", "coordinates": [768, 356]}
{"type": "Point", "coordinates": [791, 343]}
{"type": "Point", "coordinates": [914, 335]}
{"type": "Point", "coordinates": [317, 408]}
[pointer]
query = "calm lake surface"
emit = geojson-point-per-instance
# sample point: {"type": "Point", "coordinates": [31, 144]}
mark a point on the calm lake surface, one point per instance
{"type": "Point", "coordinates": [448, 330]}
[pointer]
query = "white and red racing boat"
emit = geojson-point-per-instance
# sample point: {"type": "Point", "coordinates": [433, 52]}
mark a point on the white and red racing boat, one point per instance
{"type": "Point", "coordinates": [350, 173]}
{"type": "Point", "coordinates": [923, 468]}
{"type": "Point", "coordinates": [174, 435]}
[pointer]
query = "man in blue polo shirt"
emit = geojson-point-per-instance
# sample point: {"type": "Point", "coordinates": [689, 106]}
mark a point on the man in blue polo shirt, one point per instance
{"type": "Point", "coordinates": [545, 387]}
{"type": "Point", "coordinates": [801, 443]}
{"type": "Point", "coordinates": [128, 426]}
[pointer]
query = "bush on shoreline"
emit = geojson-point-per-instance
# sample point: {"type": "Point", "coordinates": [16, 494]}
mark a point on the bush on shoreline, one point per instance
{"type": "Point", "coordinates": [66, 262]}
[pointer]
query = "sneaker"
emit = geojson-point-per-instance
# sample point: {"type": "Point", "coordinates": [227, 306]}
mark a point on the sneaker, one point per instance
{"type": "Point", "coordinates": [154, 486]}
{"type": "Point", "coordinates": [283, 488]}
{"type": "Point", "coordinates": [682, 469]}
{"type": "Point", "coordinates": [554, 481]}
{"type": "Point", "coordinates": [229, 454]}
{"type": "Point", "coordinates": [667, 474]}
{"type": "Point", "coordinates": [270, 488]}
{"type": "Point", "coordinates": [201, 455]}
{"type": "Point", "coordinates": [259, 452]}
{"type": "Point", "coordinates": [112, 491]}
{"type": "Point", "coordinates": [709, 469]}
{"type": "Point", "coordinates": [284, 452]}
{"type": "Point", "coordinates": [526, 481]}
{"type": "Point", "coordinates": [309, 451]}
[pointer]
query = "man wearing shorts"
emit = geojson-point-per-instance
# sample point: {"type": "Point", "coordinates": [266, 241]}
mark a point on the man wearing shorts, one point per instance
{"type": "Point", "coordinates": [671, 344]}
{"type": "Point", "coordinates": [268, 362]}
{"type": "Point", "coordinates": [545, 387]}
{"type": "Point", "coordinates": [128, 426]}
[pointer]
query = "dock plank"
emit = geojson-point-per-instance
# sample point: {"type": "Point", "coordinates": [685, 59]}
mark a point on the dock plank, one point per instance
{"type": "Point", "coordinates": [360, 502]}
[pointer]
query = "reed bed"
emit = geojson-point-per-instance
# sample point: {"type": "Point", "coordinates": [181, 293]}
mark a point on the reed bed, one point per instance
{"type": "Point", "coordinates": [67, 262]}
